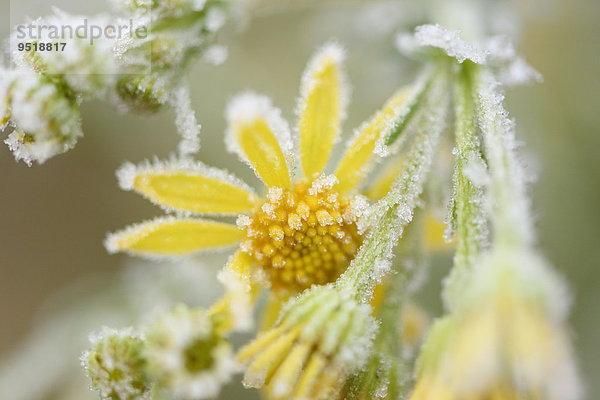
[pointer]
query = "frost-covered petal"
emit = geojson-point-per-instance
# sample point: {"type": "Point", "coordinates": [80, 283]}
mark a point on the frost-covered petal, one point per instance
{"type": "Point", "coordinates": [321, 337]}
{"type": "Point", "coordinates": [323, 97]}
{"type": "Point", "coordinates": [185, 185]}
{"type": "Point", "coordinates": [241, 290]}
{"type": "Point", "coordinates": [260, 136]}
{"type": "Point", "coordinates": [172, 236]}
{"type": "Point", "coordinates": [356, 161]}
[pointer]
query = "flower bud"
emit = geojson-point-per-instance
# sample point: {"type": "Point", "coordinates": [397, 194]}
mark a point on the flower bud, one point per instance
{"type": "Point", "coordinates": [116, 365]}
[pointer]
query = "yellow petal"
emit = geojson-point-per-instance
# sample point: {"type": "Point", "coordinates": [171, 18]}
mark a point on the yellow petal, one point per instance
{"type": "Point", "coordinates": [383, 182]}
{"type": "Point", "coordinates": [270, 313]}
{"type": "Point", "coordinates": [321, 107]}
{"type": "Point", "coordinates": [234, 310]}
{"type": "Point", "coordinates": [357, 159]}
{"type": "Point", "coordinates": [173, 236]}
{"type": "Point", "coordinates": [284, 379]}
{"type": "Point", "coordinates": [309, 377]}
{"type": "Point", "coordinates": [256, 132]}
{"type": "Point", "coordinates": [261, 369]}
{"type": "Point", "coordinates": [434, 234]}
{"type": "Point", "coordinates": [188, 186]}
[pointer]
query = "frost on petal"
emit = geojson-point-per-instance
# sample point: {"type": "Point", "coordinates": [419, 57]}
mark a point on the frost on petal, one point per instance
{"type": "Point", "coordinates": [393, 133]}
{"type": "Point", "coordinates": [172, 237]}
{"type": "Point", "coordinates": [321, 107]}
{"type": "Point", "coordinates": [188, 186]}
{"type": "Point", "coordinates": [241, 289]}
{"type": "Point", "coordinates": [320, 339]}
{"type": "Point", "coordinates": [258, 134]}
{"type": "Point", "coordinates": [358, 157]}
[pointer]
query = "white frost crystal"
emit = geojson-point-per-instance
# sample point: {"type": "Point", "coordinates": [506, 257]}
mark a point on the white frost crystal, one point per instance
{"type": "Point", "coordinates": [186, 123]}
{"type": "Point", "coordinates": [439, 37]}
{"type": "Point", "coordinates": [496, 52]}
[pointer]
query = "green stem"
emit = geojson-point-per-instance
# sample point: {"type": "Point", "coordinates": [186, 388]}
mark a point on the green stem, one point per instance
{"type": "Point", "coordinates": [467, 213]}
{"type": "Point", "coordinates": [394, 211]}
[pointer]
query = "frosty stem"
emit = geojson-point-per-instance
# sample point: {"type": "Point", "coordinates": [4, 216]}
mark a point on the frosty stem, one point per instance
{"type": "Point", "coordinates": [467, 214]}
{"type": "Point", "coordinates": [510, 210]}
{"type": "Point", "coordinates": [394, 211]}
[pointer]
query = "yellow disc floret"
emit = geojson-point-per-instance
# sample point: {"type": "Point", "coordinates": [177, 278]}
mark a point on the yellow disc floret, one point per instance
{"type": "Point", "coordinates": [303, 236]}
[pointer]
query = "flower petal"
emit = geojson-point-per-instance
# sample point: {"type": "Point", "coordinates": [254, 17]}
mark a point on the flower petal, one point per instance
{"type": "Point", "coordinates": [260, 136]}
{"type": "Point", "coordinates": [173, 236]}
{"type": "Point", "coordinates": [234, 310]}
{"type": "Point", "coordinates": [383, 182]}
{"type": "Point", "coordinates": [321, 107]}
{"type": "Point", "coordinates": [356, 161]}
{"type": "Point", "coordinates": [184, 185]}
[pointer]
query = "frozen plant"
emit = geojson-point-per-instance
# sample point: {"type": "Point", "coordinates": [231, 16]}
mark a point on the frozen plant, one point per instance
{"type": "Point", "coordinates": [141, 68]}
{"type": "Point", "coordinates": [337, 256]}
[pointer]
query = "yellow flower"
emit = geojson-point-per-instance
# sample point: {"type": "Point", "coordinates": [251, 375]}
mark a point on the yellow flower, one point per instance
{"type": "Point", "coordinates": [303, 232]}
{"type": "Point", "coordinates": [506, 341]}
{"type": "Point", "coordinates": [319, 339]}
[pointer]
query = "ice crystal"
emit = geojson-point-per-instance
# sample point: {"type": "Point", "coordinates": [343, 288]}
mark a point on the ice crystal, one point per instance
{"type": "Point", "coordinates": [439, 37]}
{"type": "Point", "coordinates": [185, 121]}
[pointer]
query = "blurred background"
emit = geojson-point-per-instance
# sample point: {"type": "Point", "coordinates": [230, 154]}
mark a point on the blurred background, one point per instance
{"type": "Point", "coordinates": [54, 217]}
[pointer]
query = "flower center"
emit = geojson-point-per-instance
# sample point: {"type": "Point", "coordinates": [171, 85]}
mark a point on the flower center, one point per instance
{"type": "Point", "coordinates": [303, 236]}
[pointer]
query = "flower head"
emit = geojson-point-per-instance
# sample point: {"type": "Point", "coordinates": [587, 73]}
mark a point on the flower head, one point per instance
{"type": "Point", "coordinates": [505, 340]}
{"type": "Point", "coordinates": [319, 340]}
{"type": "Point", "coordinates": [187, 357]}
{"type": "Point", "coordinates": [43, 112]}
{"type": "Point", "coordinates": [116, 365]}
{"type": "Point", "coordinates": [304, 231]}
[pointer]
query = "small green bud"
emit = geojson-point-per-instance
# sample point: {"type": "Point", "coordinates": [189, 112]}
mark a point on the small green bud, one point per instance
{"type": "Point", "coordinates": [142, 92]}
{"type": "Point", "coordinates": [116, 365]}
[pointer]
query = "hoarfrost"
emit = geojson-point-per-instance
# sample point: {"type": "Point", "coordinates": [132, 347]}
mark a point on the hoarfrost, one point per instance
{"type": "Point", "coordinates": [495, 51]}
{"type": "Point", "coordinates": [447, 40]}
{"type": "Point", "coordinates": [128, 172]}
{"type": "Point", "coordinates": [247, 107]}
{"type": "Point", "coordinates": [185, 121]}
{"type": "Point", "coordinates": [322, 183]}
{"type": "Point", "coordinates": [507, 180]}
{"type": "Point", "coordinates": [329, 51]}
{"type": "Point", "coordinates": [45, 121]}
{"type": "Point", "coordinates": [401, 118]}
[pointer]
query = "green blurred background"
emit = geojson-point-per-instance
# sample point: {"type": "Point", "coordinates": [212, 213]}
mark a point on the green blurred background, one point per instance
{"type": "Point", "coordinates": [53, 218]}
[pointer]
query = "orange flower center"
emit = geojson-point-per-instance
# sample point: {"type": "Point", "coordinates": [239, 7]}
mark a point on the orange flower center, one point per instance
{"type": "Point", "coordinates": [303, 236]}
